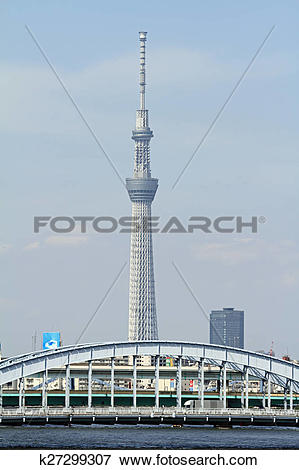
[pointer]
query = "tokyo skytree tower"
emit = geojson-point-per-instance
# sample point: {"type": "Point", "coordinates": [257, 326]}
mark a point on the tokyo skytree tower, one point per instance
{"type": "Point", "coordinates": [142, 189]}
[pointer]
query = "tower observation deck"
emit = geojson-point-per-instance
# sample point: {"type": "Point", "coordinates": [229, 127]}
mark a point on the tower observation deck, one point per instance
{"type": "Point", "coordinates": [142, 189]}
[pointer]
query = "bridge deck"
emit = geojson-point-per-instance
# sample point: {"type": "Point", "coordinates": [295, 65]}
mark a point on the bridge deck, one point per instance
{"type": "Point", "coordinates": [147, 415]}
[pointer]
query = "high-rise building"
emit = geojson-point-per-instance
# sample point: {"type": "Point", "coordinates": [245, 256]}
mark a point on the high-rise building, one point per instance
{"type": "Point", "coordinates": [227, 327]}
{"type": "Point", "coordinates": [142, 189]}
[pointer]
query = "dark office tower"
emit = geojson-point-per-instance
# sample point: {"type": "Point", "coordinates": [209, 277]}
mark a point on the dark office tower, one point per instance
{"type": "Point", "coordinates": [227, 327]}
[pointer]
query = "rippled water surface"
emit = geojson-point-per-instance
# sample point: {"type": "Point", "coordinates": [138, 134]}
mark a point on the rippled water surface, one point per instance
{"type": "Point", "coordinates": [148, 437]}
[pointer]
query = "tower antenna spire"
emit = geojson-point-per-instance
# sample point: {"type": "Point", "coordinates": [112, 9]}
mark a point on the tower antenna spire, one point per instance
{"type": "Point", "coordinates": [142, 39]}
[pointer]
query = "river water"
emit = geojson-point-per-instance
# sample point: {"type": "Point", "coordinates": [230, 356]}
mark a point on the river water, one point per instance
{"type": "Point", "coordinates": [147, 437]}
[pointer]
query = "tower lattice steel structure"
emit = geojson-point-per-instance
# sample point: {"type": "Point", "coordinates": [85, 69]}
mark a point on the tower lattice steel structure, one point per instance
{"type": "Point", "coordinates": [142, 189]}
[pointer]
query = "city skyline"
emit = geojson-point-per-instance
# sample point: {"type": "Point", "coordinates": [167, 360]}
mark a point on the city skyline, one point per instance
{"type": "Point", "coordinates": [247, 166]}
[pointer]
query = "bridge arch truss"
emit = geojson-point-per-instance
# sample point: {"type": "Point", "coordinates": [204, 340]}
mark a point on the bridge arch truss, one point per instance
{"type": "Point", "coordinates": [269, 370]}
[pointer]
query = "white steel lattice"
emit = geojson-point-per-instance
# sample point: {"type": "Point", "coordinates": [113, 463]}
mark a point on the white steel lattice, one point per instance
{"type": "Point", "coordinates": [142, 303]}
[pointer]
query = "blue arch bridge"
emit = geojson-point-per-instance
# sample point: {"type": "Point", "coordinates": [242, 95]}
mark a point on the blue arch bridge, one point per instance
{"type": "Point", "coordinates": [156, 382]}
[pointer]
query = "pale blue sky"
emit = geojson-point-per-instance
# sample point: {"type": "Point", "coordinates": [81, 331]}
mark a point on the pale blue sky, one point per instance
{"type": "Point", "coordinates": [247, 166]}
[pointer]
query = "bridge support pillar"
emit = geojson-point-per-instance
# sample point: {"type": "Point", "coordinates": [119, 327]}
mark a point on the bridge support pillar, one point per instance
{"type": "Point", "coordinates": [201, 382]}
{"type": "Point", "coordinates": [264, 395]}
{"type": "Point", "coordinates": [269, 392]}
{"type": "Point", "coordinates": [21, 393]}
{"type": "Point", "coordinates": [179, 383]}
{"type": "Point", "coordinates": [246, 389]}
{"type": "Point", "coordinates": [44, 389]}
{"type": "Point", "coordinates": [198, 380]}
{"type": "Point", "coordinates": [157, 370]}
{"type": "Point", "coordinates": [89, 386]}
{"type": "Point", "coordinates": [291, 395]}
{"type": "Point", "coordinates": [285, 397]}
{"type": "Point", "coordinates": [221, 383]}
{"type": "Point", "coordinates": [224, 385]}
{"type": "Point", "coordinates": [67, 386]}
{"type": "Point", "coordinates": [112, 385]}
{"type": "Point", "coordinates": [134, 382]}
{"type": "Point", "coordinates": [242, 390]}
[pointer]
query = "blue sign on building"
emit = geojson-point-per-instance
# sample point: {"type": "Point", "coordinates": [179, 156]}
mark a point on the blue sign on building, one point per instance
{"type": "Point", "coordinates": [51, 340]}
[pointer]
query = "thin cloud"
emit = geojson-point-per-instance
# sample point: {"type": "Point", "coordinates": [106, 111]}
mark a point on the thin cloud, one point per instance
{"type": "Point", "coordinates": [228, 253]}
{"type": "Point", "coordinates": [63, 240]}
{"type": "Point", "coordinates": [32, 246]}
{"type": "Point", "coordinates": [96, 87]}
{"type": "Point", "coordinates": [4, 248]}
{"type": "Point", "coordinates": [290, 279]}
{"type": "Point", "coordinates": [244, 250]}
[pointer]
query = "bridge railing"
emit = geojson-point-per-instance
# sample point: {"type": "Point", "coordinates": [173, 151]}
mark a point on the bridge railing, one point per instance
{"type": "Point", "coordinates": [148, 411]}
